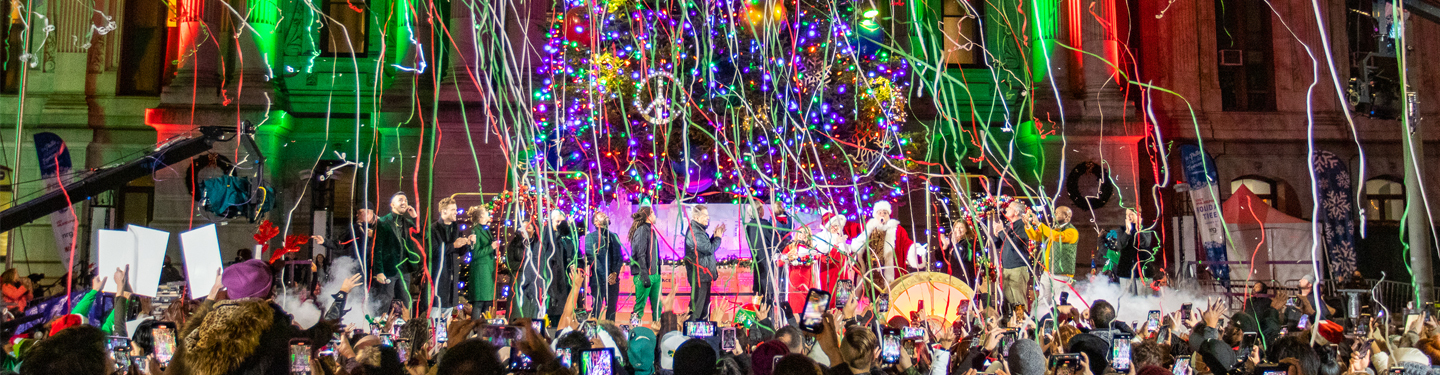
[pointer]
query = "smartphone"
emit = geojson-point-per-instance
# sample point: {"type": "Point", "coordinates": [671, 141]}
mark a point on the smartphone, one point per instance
{"type": "Point", "coordinates": [402, 347]}
{"type": "Point", "coordinates": [300, 357]}
{"type": "Point", "coordinates": [941, 359]}
{"type": "Point", "coordinates": [1064, 298]}
{"type": "Point", "coordinates": [842, 293]}
{"type": "Point", "coordinates": [813, 317]}
{"type": "Point", "coordinates": [442, 330]}
{"type": "Point", "coordinates": [890, 346]}
{"type": "Point", "coordinates": [1185, 311]}
{"type": "Point", "coordinates": [519, 362]}
{"type": "Point", "coordinates": [498, 335]}
{"type": "Point", "coordinates": [1063, 361]}
{"type": "Point", "coordinates": [504, 291]}
{"type": "Point", "coordinates": [1304, 322]}
{"type": "Point", "coordinates": [385, 339]}
{"type": "Point", "coordinates": [119, 347]}
{"type": "Point", "coordinates": [1006, 339]}
{"type": "Point", "coordinates": [1247, 343]}
{"type": "Point", "coordinates": [1120, 352]}
{"type": "Point", "coordinates": [329, 349]}
{"type": "Point", "coordinates": [1362, 325]}
{"type": "Point", "coordinates": [727, 339]}
{"type": "Point", "coordinates": [398, 328]}
{"type": "Point", "coordinates": [1290, 302]}
{"type": "Point", "coordinates": [597, 362]}
{"type": "Point", "coordinates": [565, 358]}
{"type": "Point", "coordinates": [164, 341]}
{"type": "Point", "coordinates": [882, 305]}
{"type": "Point", "coordinates": [1182, 366]}
{"type": "Point", "coordinates": [539, 326]}
{"type": "Point", "coordinates": [1047, 326]}
{"type": "Point", "coordinates": [912, 333]}
{"type": "Point", "coordinates": [1395, 371]}
{"type": "Point", "coordinates": [1272, 369]}
{"type": "Point", "coordinates": [624, 331]}
{"type": "Point", "coordinates": [1153, 320]}
{"type": "Point", "coordinates": [699, 328]}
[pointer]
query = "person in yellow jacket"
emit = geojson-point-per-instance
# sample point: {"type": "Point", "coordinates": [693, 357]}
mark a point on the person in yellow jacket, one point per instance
{"type": "Point", "coordinates": [1061, 241]}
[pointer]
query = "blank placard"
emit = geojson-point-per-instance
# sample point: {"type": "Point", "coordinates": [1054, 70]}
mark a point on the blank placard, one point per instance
{"type": "Point", "coordinates": [117, 249]}
{"type": "Point", "coordinates": [201, 248]}
{"type": "Point", "coordinates": [149, 259]}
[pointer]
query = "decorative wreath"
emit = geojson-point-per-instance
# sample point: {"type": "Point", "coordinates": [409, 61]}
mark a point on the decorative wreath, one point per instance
{"type": "Point", "coordinates": [1072, 186]}
{"type": "Point", "coordinates": [205, 161]}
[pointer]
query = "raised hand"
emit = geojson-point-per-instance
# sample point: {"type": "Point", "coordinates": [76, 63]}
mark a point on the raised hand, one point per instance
{"type": "Point", "coordinates": [350, 283]}
{"type": "Point", "coordinates": [319, 240]}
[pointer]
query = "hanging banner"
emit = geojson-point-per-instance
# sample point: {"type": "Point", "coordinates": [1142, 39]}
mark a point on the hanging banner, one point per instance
{"type": "Point", "coordinates": [1200, 174]}
{"type": "Point", "coordinates": [1337, 210]}
{"type": "Point", "coordinates": [54, 167]}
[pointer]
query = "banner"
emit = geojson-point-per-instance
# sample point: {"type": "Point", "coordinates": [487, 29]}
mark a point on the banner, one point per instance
{"type": "Point", "coordinates": [54, 167]}
{"type": "Point", "coordinates": [1337, 209]}
{"type": "Point", "coordinates": [1200, 174]}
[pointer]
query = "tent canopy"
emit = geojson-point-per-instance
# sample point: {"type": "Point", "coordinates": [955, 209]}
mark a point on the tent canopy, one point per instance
{"type": "Point", "coordinates": [1244, 207]}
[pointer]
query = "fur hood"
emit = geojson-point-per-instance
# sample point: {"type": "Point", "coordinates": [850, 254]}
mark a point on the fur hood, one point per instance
{"type": "Point", "coordinates": [234, 337]}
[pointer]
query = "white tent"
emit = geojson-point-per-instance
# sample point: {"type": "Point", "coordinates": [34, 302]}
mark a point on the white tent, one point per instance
{"type": "Point", "coordinates": [1276, 244]}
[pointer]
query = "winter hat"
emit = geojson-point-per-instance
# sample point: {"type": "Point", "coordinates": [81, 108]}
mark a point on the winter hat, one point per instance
{"type": "Point", "coordinates": [668, 345]}
{"type": "Point", "coordinates": [1096, 348]}
{"type": "Point", "coordinates": [1413, 355]}
{"type": "Point", "coordinates": [22, 347]}
{"type": "Point", "coordinates": [882, 205]}
{"type": "Point", "coordinates": [1153, 370]}
{"type": "Point", "coordinates": [1217, 355]}
{"type": "Point", "coordinates": [642, 350]}
{"type": "Point", "coordinates": [762, 362]}
{"type": "Point", "coordinates": [248, 279]}
{"type": "Point", "coordinates": [1026, 358]}
{"type": "Point", "coordinates": [837, 220]}
{"type": "Point", "coordinates": [65, 321]}
{"type": "Point", "coordinates": [695, 355]}
{"type": "Point", "coordinates": [1332, 332]}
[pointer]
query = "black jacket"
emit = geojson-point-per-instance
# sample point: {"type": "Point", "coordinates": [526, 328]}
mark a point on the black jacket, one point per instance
{"type": "Point", "coordinates": [1133, 247]}
{"type": "Point", "coordinates": [603, 251]}
{"type": "Point", "coordinates": [644, 250]}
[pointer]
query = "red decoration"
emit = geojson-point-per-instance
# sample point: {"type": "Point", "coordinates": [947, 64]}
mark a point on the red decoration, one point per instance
{"type": "Point", "coordinates": [264, 233]}
{"type": "Point", "coordinates": [577, 27]}
{"type": "Point", "coordinates": [292, 244]}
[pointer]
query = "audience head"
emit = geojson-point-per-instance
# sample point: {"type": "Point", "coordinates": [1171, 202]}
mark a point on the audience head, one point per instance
{"type": "Point", "coordinates": [78, 350]}
{"type": "Point", "coordinates": [1026, 358]}
{"type": "Point", "coordinates": [859, 348]}
{"type": "Point", "coordinates": [1217, 356]}
{"type": "Point", "coordinates": [1101, 314]}
{"type": "Point", "coordinates": [1094, 347]}
{"type": "Point", "coordinates": [248, 279]}
{"type": "Point", "coordinates": [696, 355]}
{"type": "Point", "coordinates": [792, 337]}
{"type": "Point", "coordinates": [471, 357]}
{"type": "Point", "coordinates": [796, 364]}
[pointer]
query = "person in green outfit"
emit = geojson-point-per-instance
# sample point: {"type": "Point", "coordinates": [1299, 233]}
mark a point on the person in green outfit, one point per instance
{"type": "Point", "coordinates": [482, 260]}
{"type": "Point", "coordinates": [395, 254]}
{"type": "Point", "coordinates": [645, 262]}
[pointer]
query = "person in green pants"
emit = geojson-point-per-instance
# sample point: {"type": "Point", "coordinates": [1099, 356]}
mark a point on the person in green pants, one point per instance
{"type": "Point", "coordinates": [482, 260]}
{"type": "Point", "coordinates": [645, 262]}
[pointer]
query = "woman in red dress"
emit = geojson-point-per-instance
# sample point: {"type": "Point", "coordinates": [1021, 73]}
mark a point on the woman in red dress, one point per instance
{"type": "Point", "coordinates": [836, 250]}
{"type": "Point", "coordinates": [804, 268]}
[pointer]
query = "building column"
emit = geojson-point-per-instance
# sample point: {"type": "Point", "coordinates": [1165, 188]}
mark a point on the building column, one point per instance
{"type": "Point", "coordinates": [1048, 65]}
{"type": "Point", "coordinates": [257, 52]}
{"type": "Point", "coordinates": [196, 79]}
{"type": "Point", "coordinates": [1102, 38]}
{"type": "Point", "coordinates": [463, 59]}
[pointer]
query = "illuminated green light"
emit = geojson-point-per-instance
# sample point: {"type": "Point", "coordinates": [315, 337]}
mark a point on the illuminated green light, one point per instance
{"type": "Point", "coordinates": [871, 13]}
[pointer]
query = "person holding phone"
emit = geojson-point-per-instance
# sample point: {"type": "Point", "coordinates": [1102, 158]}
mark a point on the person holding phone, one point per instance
{"type": "Point", "coordinates": [645, 262]}
{"type": "Point", "coordinates": [395, 255]}
{"type": "Point", "coordinates": [836, 250]}
{"type": "Point", "coordinates": [605, 258]}
{"type": "Point", "coordinates": [700, 268]}
{"type": "Point", "coordinates": [1061, 242]}
{"type": "Point", "coordinates": [1015, 253]}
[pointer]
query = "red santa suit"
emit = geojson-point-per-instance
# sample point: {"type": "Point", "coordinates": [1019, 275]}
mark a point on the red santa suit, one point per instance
{"type": "Point", "coordinates": [896, 247]}
{"type": "Point", "coordinates": [804, 267]}
{"type": "Point", "coordinates": [836, 249]}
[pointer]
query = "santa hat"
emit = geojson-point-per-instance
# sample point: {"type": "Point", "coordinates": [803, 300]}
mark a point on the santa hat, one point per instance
{"type": "Point", "coordinates": [882, 205]}
{"type": "Point", "coordinates": [834, 221]}
{"type": "Point", "coordinates": [66, 321]}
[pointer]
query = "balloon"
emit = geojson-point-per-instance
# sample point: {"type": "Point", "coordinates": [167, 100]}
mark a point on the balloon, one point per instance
{"type": "Point", "coordinates": [577, 26]}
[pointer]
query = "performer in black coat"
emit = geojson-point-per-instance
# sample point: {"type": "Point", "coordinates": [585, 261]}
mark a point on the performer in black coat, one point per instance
{"type": "Point", "coordinates": [605, 258]}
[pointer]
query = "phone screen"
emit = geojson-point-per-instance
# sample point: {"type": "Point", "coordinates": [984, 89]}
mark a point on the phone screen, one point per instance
{"type": "Point", "coordinates": [1064, 298]}
{"type": "Point", "coordinates": [539, 326]}
{"type": "Point", "coordinates": [699, 328]}
{"type": "Point", "coordinates": [597, 361]}
{"type": "Point", "coordinates": [1247, 343]}
{"type": "Point", "coordinates": [164, 339]}
{"type": "Point", "coordinates": [385, 339]}
{"type": "Point", "coordinates": [442, 330]}
{"type": "Point", "coordinates": [120, 352]}
{"type": "Point", "coordinates": [402, 348]}
{"type": "Point", "coordinates": [912, 333]}
{"type": "Point", "coordinates": [498, 335]}
{"type": "Point", "coordinates": [1182, 366]}
{"type": "Point", "coordinates": [1304, 322]}
{"type": "Point", "coordinates": [1006, 339]}
{"type": "Point", "coordinates": [883, 305]}
{"type": "Point", "coordinates": [520, 362]}
{"type": "Point", "coordinates": [1185, 311]}
{"type": "Point", "coordinates": [842, 293]}
{"type": "Point", "coordinates": [565, 358]}
{"type": "Point", "coordinates": [1154, 319]}
{"type": "Point", "coordinates": [1362, 325]}
{"type": "Point", "coordinates": [890, 346]}
{"type": "Point", "coordinates": [299, 358]}
{"type": "Point", "coordinates": [727, 339]}
{"type": "Point", "coordinates": [814, 314]}
{"type": "Point", "coordinates": [1120, 353]}
{"type": "Point", "coordinates": [1272, 370]}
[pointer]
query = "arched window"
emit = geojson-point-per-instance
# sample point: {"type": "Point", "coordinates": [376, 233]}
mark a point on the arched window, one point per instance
{"type": "Point", "coordinates": [1262, 187]}
{"type": "Point", "coordinates": [1384, 199]}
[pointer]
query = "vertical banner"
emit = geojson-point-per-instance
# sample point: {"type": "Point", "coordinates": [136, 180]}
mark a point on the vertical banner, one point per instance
{"type": "Point", "coordinates": [55, 167]}
{"type": "Point", "coordinates": [1337, 209]}
{"type": "Point", "coordinates": [1200, 174]}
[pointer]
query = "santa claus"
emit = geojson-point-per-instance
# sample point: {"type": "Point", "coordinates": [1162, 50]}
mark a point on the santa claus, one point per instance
{"type": "Point", "coordinates": [836, 249]}
{"type": "Point", "coordinates": [891, 242]}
